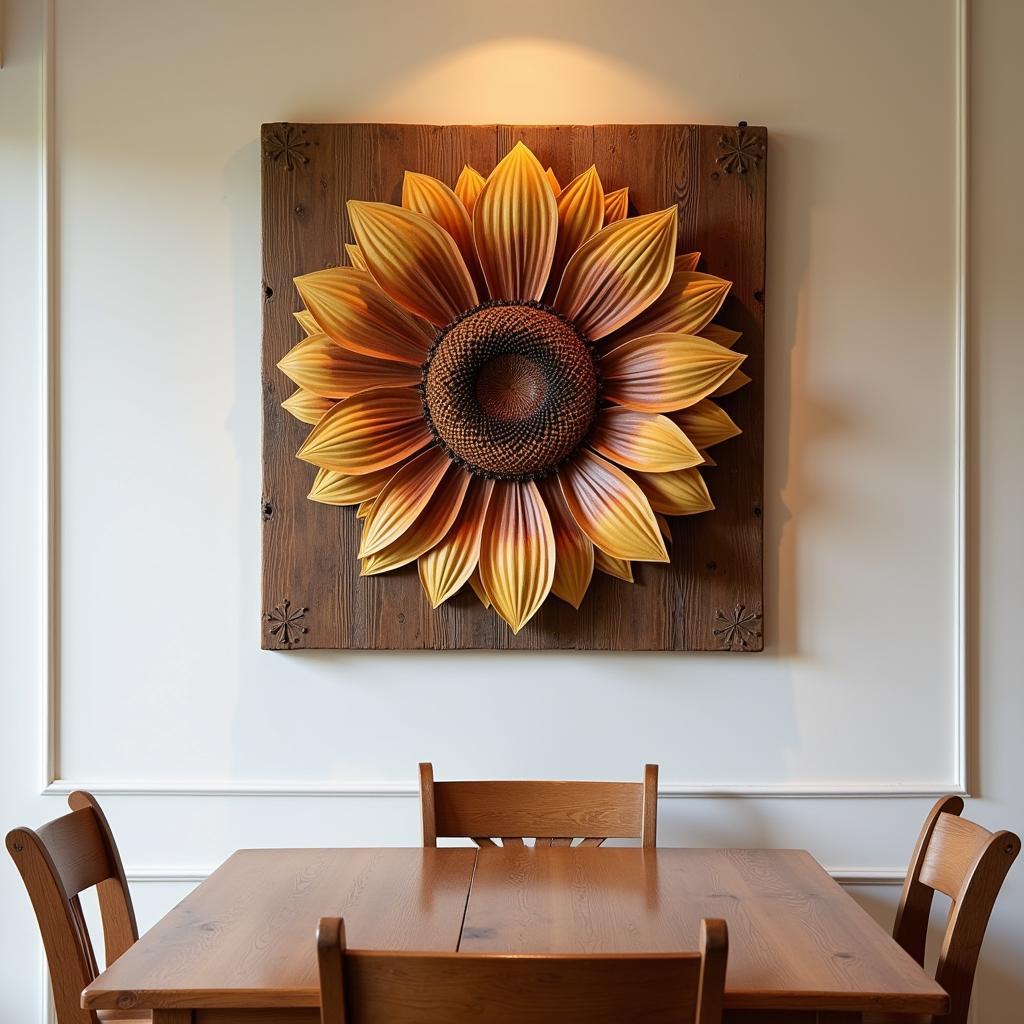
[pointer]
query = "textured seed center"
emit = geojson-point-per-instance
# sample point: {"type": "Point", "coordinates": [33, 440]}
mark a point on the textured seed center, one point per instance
{"type": "Point", "coordinates": [510, 390]}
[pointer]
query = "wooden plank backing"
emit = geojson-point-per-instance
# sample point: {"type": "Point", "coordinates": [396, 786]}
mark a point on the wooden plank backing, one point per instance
{"type": "Point", "coordinates": [710, 596]}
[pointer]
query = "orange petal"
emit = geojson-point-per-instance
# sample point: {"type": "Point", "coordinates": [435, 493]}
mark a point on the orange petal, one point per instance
{"type": "Point", "coordinates": [664, 372]}
{"type": "Point", "coordinates": [517, 555]}
{"type": "Point", "coordinates": [580, 216]}
{"type": "Point", "coordinates": [434, 199]}
{"type": "Point", "coordinates": [663, 525]}
{"type": "Point", "coordinates": [355, 257]}
{"type": "Point", "coordinates": [686, 306]}
{"type": "Point", "coordinates": [364, 508]}
{"type": "Point", "coordinates": [415, 262]}
{"type": "Point", "coordinates": [447, 566]}
{"type": "Point", "coordinates": [733, 383]}
{"type": "Point", "coordinates": [367, 432]}
{"type": "Point", "coordinates": [319, 365]}
{"type": "Point", "coordinates": [687, 261]}
{"type": "Point", "coordinates": [429, 528]}
{"type": "Point", "coordinates": [720, 335]}
{"type": "Point", "coordinates": [704, 424]}
{"type": "Point", "coordinates": [642, 440]}
{"type": "Point", "coordinates": [468, 187]}
{"type": "Point", "coordinates": [708, 460]}
{"type": "Point", "coordinates": [306, 406]}
{"type": "Point", "coordinates": [618, 273]}
{"type": "Point", "coordinates": [306, 322]}
{"type": "Point", "coordinates": [611, 510]}
{"type": "Point", "coordinates": [515, 224]}
{"type": "Point", "coordinates": [620, 568]}
{"type": "Point", "coordinates": [353, 312]}
{"type": "Point", "coordinates": [331, 488]}
{"type": "Point", "coordinates": [478, 588]}
{"type": "Point", "coordinates": [681, 493]}
{"type": "Point", "coordinates": [574, 554]}
{"type": "Point", "coordinates": [616, 207]}
{"type": "Point", "coordinates": [553, 181]}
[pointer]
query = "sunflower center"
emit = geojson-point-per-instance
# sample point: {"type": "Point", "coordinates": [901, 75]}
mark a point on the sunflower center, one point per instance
{"type": "Point", "coordinates": [510, 390]}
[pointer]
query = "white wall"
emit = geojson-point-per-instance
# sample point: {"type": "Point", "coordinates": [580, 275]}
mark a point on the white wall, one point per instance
{"type": "Point", "coordinates": [165, 702]}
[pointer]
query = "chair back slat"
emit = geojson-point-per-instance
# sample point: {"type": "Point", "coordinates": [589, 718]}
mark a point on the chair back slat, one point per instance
{"type": "Point", "coordinates": [79, 853]}
{"type": "Point", "coordinates": [951, 852]}
{"type": "Point", "coordinates": [461, 988]}
{"type": "Point", "coordinates": [553, 813]}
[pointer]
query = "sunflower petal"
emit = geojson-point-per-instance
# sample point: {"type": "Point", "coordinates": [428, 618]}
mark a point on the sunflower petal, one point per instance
{"type": "Point", "coordinates": [331, 488]}
{"type": "Point", "coordinates": [680, 493]}
{"type": "Point", "coordinates": [552, 179]}
{"type": "Point", "coordinates": [365, 507]}
{"type": "Point", "coordinates": [355, 256]}
{"type": "Point", "coordinates": [517, 555]}
{"type": "Point", "coordinates": [620, 568]}
{"type": "Point", "coordinates": [515, 224]}
{"type": "Point", "coordinates": [574, 553]}
{"type": "Point", "coordinates": [367, 432]}
{"type": "Point", "coordinates": [580, 216]}
{"type": "Point", "coordinates": [733, 383]}
{"type": "Point", "coordinates": [319, 365]}
{"type": "Point", "coordinates": [352, 311]}
{"type": "Point", "coordinates": [616, 206]}
{"type": "Point", "coordinates": [618, 273]}
{"type": "Point", "coordinates": [720, 335]}
{"type": "Point", "coordinates": [708, 460]}
{"type": "Point", "coordinates": [468, 187]}
{"type": "Point", "coordinates": [445, 568]}
{"type": "Point", "coordinates": [704, 424]}
{"type": "Point", "coordinates": [306, 406]}
{"type": "Point", "coordinates": [664, 526]}
{"type": "Point", "coordinates": [686, 306]}
{"type": "Point", "coordinates": [687, 261]}
{"type": "Point", "coordinates": [478, 588]}
{"type": "Point", "coordinates": [642, 440]}
{"type": "Point", "coordinates": [428, 529]}
{"type": "Point", "coordinates": [306, 322]}
{"type": "Point", "coordinates": [415, 262]}
{"type": "Point", "coordinates": [434, 199]}
{"type": "Point", "coordinates": [664, 372]}
{"type": "Point", "coordinates": [611, 510]}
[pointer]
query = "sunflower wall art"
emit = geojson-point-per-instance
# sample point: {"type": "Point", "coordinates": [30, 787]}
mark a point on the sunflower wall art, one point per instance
{"type": "Point", "coordinates": [512, 383]}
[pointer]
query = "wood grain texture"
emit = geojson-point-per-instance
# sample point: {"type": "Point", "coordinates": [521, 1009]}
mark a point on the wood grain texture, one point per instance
{"type": "Point", "coordinates": [244, 939]}
{"type": "Point", "coordinates": [309, 549]}
{"type": "Point", "coordinates": [796, 940]}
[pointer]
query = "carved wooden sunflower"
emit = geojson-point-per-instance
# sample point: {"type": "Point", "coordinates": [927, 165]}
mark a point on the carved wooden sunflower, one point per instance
{"type": "Point", "coordinates": [512, 382]}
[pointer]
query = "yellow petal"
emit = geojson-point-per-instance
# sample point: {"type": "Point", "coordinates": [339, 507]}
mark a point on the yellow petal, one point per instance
{"type": "Point", "coordinates": [434, 199]}
{"type": "Point", "coordinates": [620, 568]}
{"type": "Point", "coordinates": [468, 187]}
{"type": "Point", "coordinates": [515, 224]}
{"type": "Point", "coordinates": [687, 261]}
{"type": "Point", "coordinates": [306, 406]}
{"type": "Point", "coordinates": [704, 424]}
{"type": "Point", "coordinates": [445, 568]}
{"type": "Point", "coordinates": [306, 322]}
{"type": "Point", "coordinates": [319, 365]}
{"type": "Point", "coordinates": [611, 509]}
{"type": "Point", "coordinates": [429, 528]}
{"type": "Point", "coordinates": [353, 312]}
{"type": "Point", "coordinates": [733, 383]}
{"type": "Point", "coordinates": [478, 588]}
{"type": "Point", "coordinates": [618, 273]}
{"type": "Point", "coordinates": [355, 257]}
{"type": "Point", "coordinates": [720, 335]}
{"type": "Point", "coordinates": [642, 440]}
{"type": "Point", "coordinates": [664, 372]}
{"type": "Point", "coordinates": [517, 554]}
{"type": "Point", "coordinates": [580, 216]}
{"type": "Point", "coordinates": [686, 306]}
{"type": "Point", "coordinates": [552, 179]}
{"type": "Point", "coordinates": [331, 488]}
{"type": "Point", "coordinates": [681, 493]}
{"type": "Point", "coordinates": [415, 262]}
{"type": "Point", "coordinates": [616, 207]}
{"type": "Point", "coordinates": [574, 554]}
{"type": "Point", "coordinates": [367, 432]}
{"type": "Point", "coordinates": [364, 509]}
{"type": "Point", "coordinates": [665, 527]}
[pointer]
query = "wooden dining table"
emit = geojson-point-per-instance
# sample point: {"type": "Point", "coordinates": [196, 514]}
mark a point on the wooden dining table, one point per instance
{"type": "Point", "coordinates": [240, 948]}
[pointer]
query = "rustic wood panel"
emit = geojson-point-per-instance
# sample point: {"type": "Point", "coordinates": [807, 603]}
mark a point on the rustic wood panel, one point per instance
{"type": "Point", "coordinates": [710, 596]}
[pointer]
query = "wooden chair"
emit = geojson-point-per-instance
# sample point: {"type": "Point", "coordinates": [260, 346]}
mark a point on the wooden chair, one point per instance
{"type": "Point", "coordinates": [967, 863]}
{"type": "Point", "coordinates": [369, 987]}
{"type": "Point", "coordinates": [551, 813]}
{"type": "Point", "coordinates": [57, 863]}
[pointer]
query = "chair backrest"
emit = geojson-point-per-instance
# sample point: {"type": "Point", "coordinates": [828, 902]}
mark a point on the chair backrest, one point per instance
{"type": "Point", "coordinates": [551, 813]}
{"type": "Point", "coordinates": [58, 862]}
{"type": "Point", "coordinates": [364, 987]}
{"type": "Point", "coordinates": [968, 864]}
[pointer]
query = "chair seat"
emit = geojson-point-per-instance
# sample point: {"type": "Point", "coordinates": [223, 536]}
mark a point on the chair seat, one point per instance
{"type": "Point", "coordinates": [126, 1016]}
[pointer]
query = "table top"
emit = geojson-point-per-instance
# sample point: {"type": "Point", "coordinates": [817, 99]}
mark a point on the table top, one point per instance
{"type": "Point", "coordinates": [245, 937]}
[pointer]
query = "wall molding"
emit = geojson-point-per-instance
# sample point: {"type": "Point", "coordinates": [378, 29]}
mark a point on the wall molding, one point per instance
{"type": "Point", "coordinates": [52, 783]}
